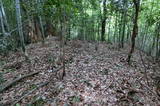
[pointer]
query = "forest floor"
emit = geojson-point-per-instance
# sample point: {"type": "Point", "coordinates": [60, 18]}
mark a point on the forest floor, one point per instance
{"type": "Point", "coordinates": [93, 78]}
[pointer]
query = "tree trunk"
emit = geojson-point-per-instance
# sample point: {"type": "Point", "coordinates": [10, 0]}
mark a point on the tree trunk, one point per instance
{"type": "Point", "coordinates": [40, 19]}
{"type": "Point", "coordinates": [103, 21]}
{"type": "Point", "coordinates": [124, 22]}
{"type": "Point", "coordinates": [69, 31]}
{"type": "Point", "coordinates": [128, 32]}
{"type": "Point", "coordinates": [50, 30]}
{"type": "Point", "coordinates": [4, 17]}
{"type": "Point", "coordinates": [19, 22]}
{"type": "Point", "coordinates": [158, 41]}
{"type": "Point", "coordinates": [123, 31]}
{"type": "Point", "coordinates": [62, 35]}
{"type": "Point", "coordinates": [109, 30]}
{"type": "Point", "coordinates": [2, 23]}
{"type": "Point", "coordinates": [115, 27]}
{"type": "Point", "coordinates": [135, 28]}
{"type": "Point", "coordinates": [37, 29]}
{"type": "Point", "coordinates": [120, 30]}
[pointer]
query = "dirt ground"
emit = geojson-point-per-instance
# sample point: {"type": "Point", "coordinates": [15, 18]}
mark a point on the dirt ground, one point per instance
{"type": "Point", "coordinates": [93, 78]}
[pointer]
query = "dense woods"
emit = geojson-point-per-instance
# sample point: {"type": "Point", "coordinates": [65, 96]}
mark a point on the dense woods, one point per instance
{"type": "Point", "coordinates": [80, 52]}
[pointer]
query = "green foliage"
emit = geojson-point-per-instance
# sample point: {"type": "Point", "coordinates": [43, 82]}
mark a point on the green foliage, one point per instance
{"type": "Point", "coordinates": [6, 45]}
{"type": "Point", "coordinates": [37, 102]}
{"type": "Point", "coordinates": [51, 59]}
{"type": "Point", "coordinates": [75, 99]}
{"type": "Point", "coordinates": [33, 86]}
{"type": "Point", "coordinates": [18, 104]}
{"type": "Point", "coordinates": [84, 19]}
{"type": "Point", "coordinates": [150, 11]}
{"type": "Point", "coordinates": [9, 70]}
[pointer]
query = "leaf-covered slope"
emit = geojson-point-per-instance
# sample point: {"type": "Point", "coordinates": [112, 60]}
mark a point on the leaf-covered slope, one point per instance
{"type": "Point", "coordinates": [92, 77]}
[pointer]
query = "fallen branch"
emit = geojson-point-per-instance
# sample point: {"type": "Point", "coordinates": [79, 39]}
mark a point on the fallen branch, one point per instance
{"type": "Point", "coordinates": [15, 65]}
{"type": "Point", "coordinates": [34, 101]}
{"type": "Point", "coordinates": [30, 92]}
{"type": "Point", "coordinates": [9, 84]}
{"type": "Point", "coordinates": [146, 86]}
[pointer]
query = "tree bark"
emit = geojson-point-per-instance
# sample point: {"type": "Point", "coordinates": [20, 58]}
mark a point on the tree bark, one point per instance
{"type": "Point", "coordinates": [120, 29]}
{"type": "Point", "coordinates": [40, 19]}
{"type": "Point", "coordinates": [135, 28]}
{"type": "Point", "coordinates": [124, 22]}
{"type": "Point", "coordinates": [19, 22]}
{"type": "Point", "coordinates": [158, 41]}
{"type": "Point", "coordinates": [2, 23]}
{"type": "Point", "coordinates": [4, 17]}
{"type": "Point", "coordinates": [109, 30]}
{"type": "Point", "coordinates": [103, 21]}
{"type": "Point", "coordinates": [115, 27]}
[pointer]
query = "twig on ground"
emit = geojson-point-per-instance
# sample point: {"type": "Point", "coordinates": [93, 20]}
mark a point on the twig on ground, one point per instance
{"type": "Point", "coordinates": [34, 101]}
{"type": "Point", "coordinates": [150, 90]}
{"type": "Point", "coordinates": [10, 83]}
{"type": "Point", "coordinates": [43, 84]}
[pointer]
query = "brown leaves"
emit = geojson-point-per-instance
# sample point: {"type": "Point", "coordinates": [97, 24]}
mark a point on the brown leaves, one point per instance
{"type": "Point", "coordinates": [92, 77]}
{"type": "Point", "coordinates": [13, 65]}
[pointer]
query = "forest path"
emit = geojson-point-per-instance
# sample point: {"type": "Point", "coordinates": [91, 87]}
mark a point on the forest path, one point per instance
{"type": "Point", "coordinates": [96, 78]}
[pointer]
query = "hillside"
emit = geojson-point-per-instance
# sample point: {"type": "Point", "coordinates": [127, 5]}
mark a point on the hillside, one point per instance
{"type": "Point", "coordinates": [93, 78]}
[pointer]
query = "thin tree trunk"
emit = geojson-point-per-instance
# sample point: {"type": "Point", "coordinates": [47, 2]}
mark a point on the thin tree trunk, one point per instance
{"type": "Point", "coordinates": [124, 22]}
{"type": "Point", "coordinates": [69, 31]}
{"type": "Point", "coordinates": [84, 31]}
{"type": "Point", "coordinates": [157, 41]}
{"type": "Point", "coordinates": [38, 34]}
{"type": "Point", "coordinates": [115, 28]}
{"type": "Point", "coordinates": [2, 23]}
{"type": "Point", "coordinates": [144, 38]}
{"type": "Point", "coordinates": [42, 29]}
{"type": "Point", "coordinates": [128, 32]}
{"type": "Point", "coordinates": [103, 21]}
{"type": "Point", "coordinates": [40, 19]}
{"type": "Point", "coordinates": [123, 31]}
{"type": "Point", "coordinates": [62, 36]}
{"type": "Point", "coordinates": [63, 52]}
{"type": "Point", "coordinates": [120, 30]}
{"type": "Point", "coordinates": [93, 31]}
{"type": "Point", "coordinates": [109, 30]}
{"type": "Point", "coordinates": [4, 16]}
{"type": "Point", "coordinates": [135, 28]}
{"type": "Point", "coordinates": [19, 22]}
{"type": "Point", "coordinates": [98, 38]}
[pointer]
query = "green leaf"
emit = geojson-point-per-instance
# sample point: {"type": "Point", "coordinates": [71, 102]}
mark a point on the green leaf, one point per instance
{"type": "Point", "coordinates": [18, 104]}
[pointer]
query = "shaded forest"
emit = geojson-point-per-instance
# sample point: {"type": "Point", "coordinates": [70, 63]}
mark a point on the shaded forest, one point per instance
{"type": "Point", "coordinates": [79, 52]}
